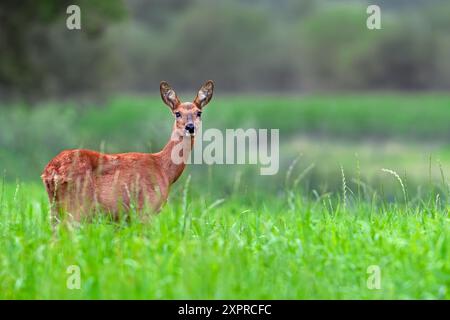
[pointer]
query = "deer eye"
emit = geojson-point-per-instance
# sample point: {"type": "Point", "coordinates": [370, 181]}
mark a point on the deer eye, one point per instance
{"type": "Point", "coordinates": [199, 113]}
{"type": "Point", "coordinates": [177, 114]}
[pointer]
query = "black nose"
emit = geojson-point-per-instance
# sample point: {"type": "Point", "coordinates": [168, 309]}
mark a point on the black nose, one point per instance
{"type": "Point", "coordinates": [190, 127]}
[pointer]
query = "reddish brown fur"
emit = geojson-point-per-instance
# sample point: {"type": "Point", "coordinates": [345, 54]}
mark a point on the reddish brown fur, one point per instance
{"type": "Point", "coordinates": [78, 181]}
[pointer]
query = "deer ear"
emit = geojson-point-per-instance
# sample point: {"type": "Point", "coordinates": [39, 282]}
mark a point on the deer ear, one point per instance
{"type": "Point", "coordinates": [205, 94]}
{"type": "Point", "coordinates": [168, 95]}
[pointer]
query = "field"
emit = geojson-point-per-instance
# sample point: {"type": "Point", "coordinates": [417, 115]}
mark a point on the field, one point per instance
{"type": "Point", "coordinates": [314, 230]}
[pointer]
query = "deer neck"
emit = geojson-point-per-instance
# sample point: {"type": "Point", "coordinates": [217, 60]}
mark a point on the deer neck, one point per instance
{"type": "Point", "coordinates": [175, 154]}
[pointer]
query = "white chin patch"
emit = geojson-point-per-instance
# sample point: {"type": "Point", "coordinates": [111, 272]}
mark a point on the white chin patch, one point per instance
{"type": "Point", "coordinates": [188, 134]}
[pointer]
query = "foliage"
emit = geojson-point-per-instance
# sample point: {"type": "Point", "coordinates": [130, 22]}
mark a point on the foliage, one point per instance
{"type": "Point", "coordinates": [35, 45]}
{"type": "Point", "coordinates": [243, 45]}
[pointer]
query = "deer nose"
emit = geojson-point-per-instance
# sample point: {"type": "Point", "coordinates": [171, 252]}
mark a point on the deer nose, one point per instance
{"type": "Point", "coordinates": [190, 127]}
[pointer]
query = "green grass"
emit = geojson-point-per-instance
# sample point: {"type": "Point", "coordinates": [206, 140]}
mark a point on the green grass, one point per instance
{"type": "Point", "coordinates": [271, 249]}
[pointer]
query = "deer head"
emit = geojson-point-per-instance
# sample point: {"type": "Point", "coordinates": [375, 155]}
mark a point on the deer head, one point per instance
{"type": "Point", "coordinates": [187, 114]}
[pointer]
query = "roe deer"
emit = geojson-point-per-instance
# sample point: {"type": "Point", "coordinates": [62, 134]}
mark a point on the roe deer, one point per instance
{"type": "Point", "coordinates": [79, 181]}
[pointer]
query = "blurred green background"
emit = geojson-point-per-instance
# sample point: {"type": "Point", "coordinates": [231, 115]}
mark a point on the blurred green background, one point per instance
{"type": "Point", "coordinates": [341, 95]}
{"type": "Point", "coordinates": [348, 102]}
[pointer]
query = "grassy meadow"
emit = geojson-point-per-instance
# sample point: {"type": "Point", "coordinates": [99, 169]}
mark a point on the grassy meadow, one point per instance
{"type": "Point", "coordinates": [309, 232]}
